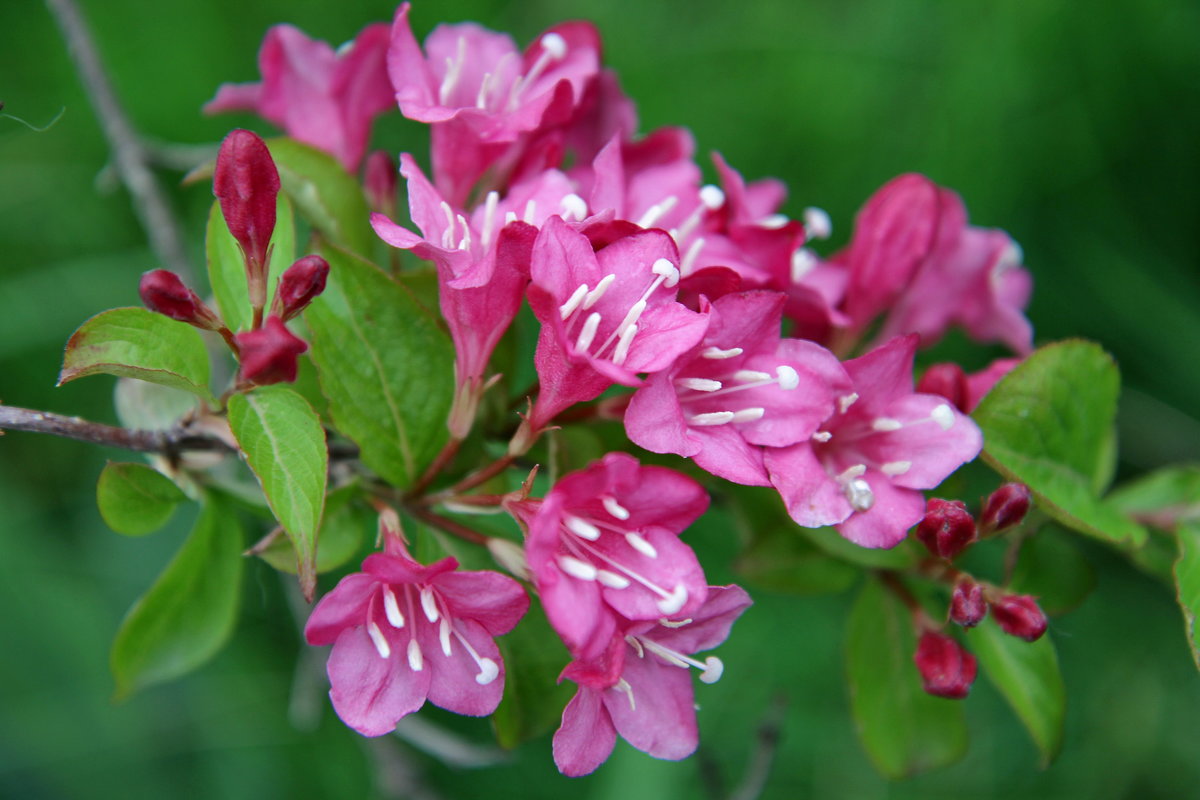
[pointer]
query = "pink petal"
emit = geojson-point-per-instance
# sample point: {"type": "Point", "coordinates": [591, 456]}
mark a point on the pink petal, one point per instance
{"type": "Point", "coordinates": [931, 451]}
{"type": "Point", "coordinates": [884, 373]}
{"type": "Point", "coordinates": [661, 719]}
{"type": "Point", "coordinates": [812, 497]}
{"type": "Point", "coordinates": [493, 600]}
{"type": "Point", "coordinates": [452, 683]}
{"type": "Point", "coordinates": [886, 523]}
{"type": "Point", "coordinates": [710, 623]}
{"type": "Point", "coordinates": [343, 607]}
{"type": "Point", "coordinates": [586, 736]}
{"type": "Point", "coordinates": [371, 693]}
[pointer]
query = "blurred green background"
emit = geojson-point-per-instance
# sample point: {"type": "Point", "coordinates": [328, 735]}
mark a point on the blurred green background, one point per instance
{"type": "Point", "coordinates": [1072, 125]}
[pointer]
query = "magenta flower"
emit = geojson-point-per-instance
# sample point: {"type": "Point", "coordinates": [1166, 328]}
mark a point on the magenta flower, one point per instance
{"type": "Point", "coordinates": [637, 688]}
{"type": "Point", "coordinates": [403, 633]}
{"type": "Point", "coordinates": [864, 469]}
{"type": "Point", "coordinates": [269, 355]}
{"type": "Point", "coordinates": [603, 547]}
{"type": "Point", "coordinates": [740, 389]}
{"type": "Point", "coordinates": [325, 98]}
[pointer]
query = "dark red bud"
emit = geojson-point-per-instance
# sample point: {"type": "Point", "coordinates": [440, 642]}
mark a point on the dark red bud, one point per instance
{"type": "Point", "coordinates": [269, 354]}
{"type": "Point", "coordinates": [949, 381]}
{"type": "Point", "coordinates": [947, 670]}
{"type": "Point", "coordinates": [162, 291]}
{"type": "Point", "coordinates": [947, 527]}
{"type": "Point", "coordinates": [298, 285]}
{"type": "Point", "coordinates": [246, 183]}
{"type": "Point", "coordinates": [967, 606]}
{"type": "Point", "coordinates": [380, 180]}
{"type": "Point", "coordinates": [1019, 615]}
{"type": "Point", "coordinates": [1006, 506]}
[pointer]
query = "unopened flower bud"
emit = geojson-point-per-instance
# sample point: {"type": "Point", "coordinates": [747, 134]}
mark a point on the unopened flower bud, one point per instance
{"type": "Point", "coordinates": [947, 527]}
{"type": "Point", "coordinates": [967, 606]}
{"type": "Point", "coordinates": [298, 285]}
{"type": "Point", "coordinates": [949, 381]}
{"type": "Point", "coordinates": [1019, 615]}
{"type": "Point", "coordinates": [246, 183]}
{"type": "Point", "coordinates": [379, 181]}
{"type": "Point", "coordinates": [947, 670]}
{"type": "Point", "coordinates": [1006, 506]}
{"type": "Point", "coordinates": [162, 291]}
{"type": "Point", "coordinates": [269, 354]}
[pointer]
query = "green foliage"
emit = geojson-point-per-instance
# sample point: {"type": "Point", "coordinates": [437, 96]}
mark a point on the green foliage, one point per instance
{"type": "Point", "coordinates": [135, 499]}
{"type": "Point", "coordinates": [189, 612]}
{"type": "Point", "coordinates": [1052, 568]}
{"type": "Point", "coordinates": [137, 343]}
{"type": "Point", "coordinates": [533, 698]}
{"type": "Point", "coordinates": [1187, 581]}
{"type": "Point", "coordinates": [227, 266]}
{"type": "Point", "coordinates": [324, 193]}
{"type": "Point", "coordinates": [343, 526]}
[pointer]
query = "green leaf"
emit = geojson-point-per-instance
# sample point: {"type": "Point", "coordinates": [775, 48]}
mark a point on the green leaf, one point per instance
{"type": "Point", "coordinates": [1051, 567]}
{"type": "Point", "coordinates": [138, 343]}
{"type": "Point", "coordinates": [1027, 674]}
{"type": "Point", "coordinates": [343, 527]}
{"type": "Point", "coordinates": [1187, 583]}
{"type": "Point", "coordinates": [135, 499]}
{"type": "Point", "coordinates": [533, 698]}
{"type": "Point", "coordinates": [284, 445]}
{"type": "Point", "coordinates": [189, 612]}
{"type": "Point", "coordinates": [385, 366]}
{"type": "Point", "coordinates": [1048, 424]}
{"type": "Point", "coordinates": [904, 730]}
{"type": "Point", "coordinates": [782, 561]}
{"type": "Point", "coordinates": [324, 193]}
{"type": "Point", "coordinates": [150, 406]}
{"type": "Point", "coordinates": [902, 556]}
{"type": "Point", "coordinates": [227, 267]}
{"type": "Point", "coordinates": [1163, 498]}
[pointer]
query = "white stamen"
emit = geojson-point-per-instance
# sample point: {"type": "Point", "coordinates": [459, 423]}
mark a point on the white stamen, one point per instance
{"type": "Point", "coordinates": [713, 669]}
{"type": "Point", "coordinates": [636, 644]}
{"type": "Point", "coordinates": [717, 353]}
{"type": "Point", "coordinates": [377, 638]}
{"type": "Point", "coordinates": [859, 493]}
{"type": "Point", "coordinates": [611, 579]}
{"type": "Point", "coordinates": [554, 44]}
{"type": "Point", "coordinates": [788, 377]}
{"type": "Point", "coordinates": [623, 686]}
{"type": "Point", "coordinates": [453, 71]}
{"type": "Point", "coordinates": [624, 342]}
{"type": "Point", "coordinates": [896, 467]}
{"type": "Point", "coordinates": [671, 604]}
{"type": "Point", "coordinates": [822, 436]}
{"type": "Point", "coordinates": [803, 262]}
{"type": "Point", "coordinates": [489, 218]}
{"type": "Point", "coordinates": [595, 294]}
{"type": "Point", "coordinates": [392, 609]}
{"type": "Point", "coordinates": [465, 244]}
{"type": "Point", "coordinates": [817, 223]}
{"type": "Point", "coordinates": [847, 400]}
{"type": "Point", "coordinates": [711, 418]}
{"type": "Point", "coordinates": [856, 471]}
{"type": "Point", "coordinates": [613, 507]}
{"type": "Point", "coordinates": [655, 212]}
{"type": "Point", "coordinates": [665, 268]}
{"type": "Point", "coordinates": [688, 262]}
{"type": "Point", "coordinates": [429, 604]}
{"type": "Point", "coordinates": [773, 221]}
{"type": "Point", "coordinates": [448, 234]}
{"type": "Point", "coordinates": [577, 568]}
{"type": "Point", "coordinates": [485, 86]}
{"type": "Point", "coordinates": [632, 315]}
{"type": "Point", "coordinates": [510, 217]}
{"type": "Point", "coordinates": [577, 297]}
{"type": "Point", "coordinates": [748, 414]}
{"type": "Point", "coordinates": [886, 424]}
{"type": "Point", "coordinates": [488, 671]}
{"type": "Point", "coordinates": [574, 207]}
{"type": "Point", "coordinates": [675, 623]}
{"type": "Point", "coordinates": [698, 384]}
{"type": "Point", "coordinates": [530, 212]}
{"type": "Point", "coordinates": [444, 636]}
{"type": "Point", "coordinates": [641, 545]}
{"type": "Point", "coordinates": [581, 527]}
{"type": "Point", "coordinates": [712, 197]}
{"type": "Point", "coordinates": [588, 333]}
{"type": "Point", "coordinates": [751, 375]}
{"type": "Point", "coordinates": [943, 416]}
{"type": "Point", "coordinates": [416, 659]}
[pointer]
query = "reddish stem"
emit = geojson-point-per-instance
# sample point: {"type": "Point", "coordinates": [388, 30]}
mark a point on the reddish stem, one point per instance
{"type": "Point", "coordinates": [448, 525]}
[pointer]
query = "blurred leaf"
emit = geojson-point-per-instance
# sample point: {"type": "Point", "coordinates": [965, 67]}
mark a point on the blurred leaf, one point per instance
{"type": "Point", "coordinates": [1163, 498]}
{"type": "Point", "coordinates": [135, 499]}
{"type": "Point", "coordinates": [150, 406]}
{"type": "Point", "coordinates": [1052, 568]}
{"type": "Point", "coordinates": [343, 527]}
{"type": "Point", "coordinates": [189, 612]}
{"type": "Point", "coordinates": [284, 444]}
{"type": "Point", "coordinates": [324, 193]}
{"type": "Point", "coordinates": [1048, 424]}
{"type": "Point", "coordinates": [902, 556]}
{"type": "Point", "coordinates": [1187, 581]}
{"type": "Point", "coordinates": [782, 561]}
{"type": "Point", "coordinates": [533, 699]}
{"type": "Point", "coordinates": [385, 366]}
{"type": "Point", "coordinates": [904, 730]}
{"type": "Point", "coordinates": [138, 343]}
{"type": "Point", "coordinates": [1027, 674]}
{"type": "Point", "coordinates": [227, 267]}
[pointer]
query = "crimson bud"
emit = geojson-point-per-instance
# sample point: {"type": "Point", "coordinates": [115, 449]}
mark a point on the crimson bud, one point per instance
{"type": "Point", "coordinates": [947, 527]}
{"type": "Point", "coordinates": [269, 354]}
{"type": "Point", "coordinates": [1006, 506]}
{"type": "Point", "coordinates": [967, 606]}
{"type": "Point", "coordinates": [379, 181]}
{"type": "Point", "coordinates": [949, 381]}
{"type": "Point", "coordinates": [163, 291]}
{"type": "Point", "coordinates": [1019, 615]}
{"type": "Point", "coordinates": [947, 670]}
{"type": "Point", "coordinates": [246, 184]}
{"type": "Point", "coordinates": [298, 285]}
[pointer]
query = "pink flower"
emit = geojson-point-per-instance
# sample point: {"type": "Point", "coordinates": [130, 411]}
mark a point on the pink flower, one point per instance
{"type": "Point", "coordinates": [741, 388]}
{"type": "Point", "coordinates": [864, 470]}
{"type": "Point", "coordinates": [604, 547]}
{"type": "Point", "coordinates": [403, 633]}
{"type": "Point", "coordinates": [325, 98]}
{"type": "Point", "coordinates": [268, 355]}
{"type": "Point", "coordinates": [637, 689]}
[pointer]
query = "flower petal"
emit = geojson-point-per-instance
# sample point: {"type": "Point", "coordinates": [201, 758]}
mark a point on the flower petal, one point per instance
{"type": "Point", "coordinates": [371, 693]}
{"type": "Point", "coordinates": [586, 736]}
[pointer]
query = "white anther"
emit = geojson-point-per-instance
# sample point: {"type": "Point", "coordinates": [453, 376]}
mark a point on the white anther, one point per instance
{"type": "Point", "coordinates": [822, 436]}
{"type": "Point", "coordinates": [378, 639]}
{"type": "Point", "coordinates": [751, 376]}
{"type": "Point", "coordinates": [711, 418]}
{"type": "Point", "coordinates": [665, 268]}
{"type": "Point", "coordinates": [847, 400]}
{"type": "Point", "coordinates": [896, 467]}
{"type": "Point", "coordinates": [595, 294]}
{"type": "Point", "coordinates": [698, 384]}
{"type": "Point", "coordinates": [489, 218]}
{"type": "Point", "coordinates": [641, 545]}
{"type": "Point", "coordinates": [817, 223]}
{"type": "Point", "coordinates": [392, 609]}
{"type": "Point", "coordinates": [672, 603]}
{"type": "Point", "coordinates": [717, 353]}
{"type": "Point", "coordinates": [655, 212]}
{"type": "Point", "coordinates": [611, 579]}
{"type": "Point", "coordinates": [688, 262]}
{"type": "Point", "coordinates": [574, 207]}
{"type": "Point", "coordinates": [577, 568]}
{"type": "Point", "coordinates": [444, 636]}
{"type": "Point", "coordinates": [554, 44]}
{"type": "Point", "coordinates": [803, 262]}
{"type": "Point", "coordinates": [748, 414]}
{"type": "Point", "coordinates": [788, 377]}
{"type": "Point", "coordinates": [859, 493]}
{"type": "Point", "coordinates": [713, 669]}
{"type": "Point", "coordinates": [588, 333]}
{"type": "Point", "coordinates": [886, 424]}
{"type": "Point", "coordinates": [712, 197]}
{"type": "Point", "coordinates": [416, 659]}
{"type": "Point", "coordinates": [943, 416]}
{"type": "Point", "coordinates": [429, 604]}
{"type": "Point", "coordinates": [488, 671]}
{"type": "Point", "coordinates": [613, 507]}
{"type": "Point", "coordinates": [773, 221]}
{"type": "Point", "coordinates": [530, 212]}
{"type": "Point", "coordinates": [581, 527]}
{"type": "Point", "coordinates": [573, 302]}
{"type": "Point", "coordinates": [624, 342]}
{"type": "Point", "coordinates": [856, 471]}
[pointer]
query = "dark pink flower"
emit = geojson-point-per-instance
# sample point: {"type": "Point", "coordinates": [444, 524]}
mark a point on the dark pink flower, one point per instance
{"type": "Point", "coordinates": [163, 291]}
{"type": "Point", "coordinates": [947, 670]}
{"type": "Point", "coordinates": [604, 547]}
{"type": "Point", "coordinates": [947, 527]}
{"type": "Point", "coordinates": [403, 633]}
{"type": "Point", "coordinates": [246, 184]}
{"type": "Point", "coordinates": [1005, 507]}
{"type": "Point", "coordinates": [637, 689]}
{"type": "Point", "coordinates": [298, 285]}
{"type": "Point", "coordinates": [323, 97]}
{"type": "Point", "coordinates": [967, 604]}
{"type": "Point", "coordinates": [268, 355]}
{"type": "Point", "coordinates": [1019, 615]}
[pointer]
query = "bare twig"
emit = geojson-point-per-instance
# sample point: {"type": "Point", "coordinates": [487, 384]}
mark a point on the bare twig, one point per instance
{"type": "Point", "coordinates": [143, 441]}
{"type": "Point", "coordinates": [129, 153]}
{"type": "Point", "coordinates": [769, 730]}
{"type": "Point", "coordinates": [448, 525]}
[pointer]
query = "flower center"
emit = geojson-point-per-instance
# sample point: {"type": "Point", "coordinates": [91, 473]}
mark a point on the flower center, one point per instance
{"type": "Point", "coordinates": [623, 333]}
